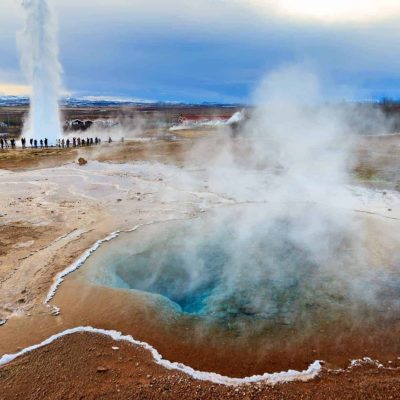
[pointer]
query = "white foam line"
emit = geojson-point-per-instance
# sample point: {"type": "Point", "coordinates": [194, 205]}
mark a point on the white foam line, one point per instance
{"type": "Point", "coordinates": [271, 378]}
{"type": "Point", "coordinates": [80, 261]}
{"type": "Point", "coordinates": [366, 361]}
{"type": "Point", "coordinates": [77, 264]}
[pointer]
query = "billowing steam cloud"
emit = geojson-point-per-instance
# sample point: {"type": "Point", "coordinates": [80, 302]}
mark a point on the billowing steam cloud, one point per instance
{"type": "Point", "coordinates": [294, 252]}
{"type": "Point", "coordinates": [39, 58]}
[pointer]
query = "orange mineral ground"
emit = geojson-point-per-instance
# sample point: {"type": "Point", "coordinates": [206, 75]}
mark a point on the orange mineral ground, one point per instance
{"type": "Point", "coordinates": [54, 210]}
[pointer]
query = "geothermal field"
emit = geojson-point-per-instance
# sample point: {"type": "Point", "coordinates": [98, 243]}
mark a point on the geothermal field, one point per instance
{"type": "Point", "coordinates": [166, 250]}
{"type": "Point", "coordinates": [205, 257]}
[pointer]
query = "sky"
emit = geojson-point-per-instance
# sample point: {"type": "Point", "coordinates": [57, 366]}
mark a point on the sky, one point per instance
{"type": "Point", "coordinates": [214, 50]}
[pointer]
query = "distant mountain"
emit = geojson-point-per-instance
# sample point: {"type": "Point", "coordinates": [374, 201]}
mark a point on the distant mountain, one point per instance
{"type": "Point", "coordinates": [100, 101]}
{"type": "Point", "coordinates": [13, 101]}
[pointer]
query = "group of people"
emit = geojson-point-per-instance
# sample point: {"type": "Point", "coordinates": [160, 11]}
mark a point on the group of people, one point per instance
{"type": "Point", "coordinates": [6, 145]}
{"type": "Point", "coordinates": [34, 143]}
{"type": "Point", "coordinates": [44, 143]}
{"type": "Point", "coordinates": [78, 142]}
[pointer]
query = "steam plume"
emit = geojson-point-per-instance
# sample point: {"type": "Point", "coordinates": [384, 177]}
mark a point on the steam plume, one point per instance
{"type": "Point", "coordinates": [39, 59]}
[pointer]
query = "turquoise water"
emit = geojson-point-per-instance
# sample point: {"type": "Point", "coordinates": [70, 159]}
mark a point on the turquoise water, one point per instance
{"type": "Point", "coordinates": [229, 266]}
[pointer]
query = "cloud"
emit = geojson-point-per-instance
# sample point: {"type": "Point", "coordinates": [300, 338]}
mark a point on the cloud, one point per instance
{"type": "Point", "coordinates": [332, 11]}
{"type": "Point", "coordinates": [215, 49]}
{"type": "Point", "coordinates": [9, 89]}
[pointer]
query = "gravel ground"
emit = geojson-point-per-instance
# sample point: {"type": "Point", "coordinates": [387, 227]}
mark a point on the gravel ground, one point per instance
{"type": "Point", "coordinates": [89, 366]}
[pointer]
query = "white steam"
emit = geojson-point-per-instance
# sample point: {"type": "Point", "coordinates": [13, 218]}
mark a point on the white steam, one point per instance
{"type": "Point", "coordinates": [302, 249]}
{"type": "Point", "coordinates": [39, 59]}
{"type": "Point", "coordinates": [209, 123]}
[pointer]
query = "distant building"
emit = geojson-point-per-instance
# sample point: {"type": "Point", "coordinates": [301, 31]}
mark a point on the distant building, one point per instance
{"type": "Point", "coordinates": [78, 125]}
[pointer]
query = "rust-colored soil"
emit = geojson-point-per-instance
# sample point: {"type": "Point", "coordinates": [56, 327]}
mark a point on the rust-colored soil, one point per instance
{"type": "Point", "coordinates": [48, 218]}
{"type": "Point", "coordinates": [85, 366]}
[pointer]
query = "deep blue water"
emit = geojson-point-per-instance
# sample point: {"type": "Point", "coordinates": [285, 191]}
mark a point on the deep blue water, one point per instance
{"type": "Point", "coordinates": [212, 269]}
{"type": "Point", "coordinates": [241, 266]}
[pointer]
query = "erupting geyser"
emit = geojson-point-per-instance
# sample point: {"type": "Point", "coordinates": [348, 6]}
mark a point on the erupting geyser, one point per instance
{"type": "Point", "coordinates": [39, 58]}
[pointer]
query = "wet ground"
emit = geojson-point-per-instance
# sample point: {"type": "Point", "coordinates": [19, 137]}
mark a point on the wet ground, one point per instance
{"type": "Point", "coordinates": [67, 209]}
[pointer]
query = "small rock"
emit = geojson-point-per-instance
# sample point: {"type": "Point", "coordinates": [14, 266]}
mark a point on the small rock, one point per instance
{"type": "Point", "coordinates": [2, 321]}
{"type": "Point", "coordinates": [81, 161]}
{"type": "Point", "coordinates": [102, 369]}
{"type": "Point", "coordinates": [115, 348]}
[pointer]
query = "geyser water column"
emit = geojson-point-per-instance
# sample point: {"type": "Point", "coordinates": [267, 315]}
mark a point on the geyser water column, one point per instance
{"type": "Point", "coordinates": [39, 58]}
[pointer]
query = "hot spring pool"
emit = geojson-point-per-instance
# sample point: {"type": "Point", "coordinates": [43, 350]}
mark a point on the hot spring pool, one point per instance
{"type": "Point", "coordinates": [255, 264]}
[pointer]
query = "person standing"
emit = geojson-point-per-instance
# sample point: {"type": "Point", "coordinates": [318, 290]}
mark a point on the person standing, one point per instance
{"type": "Point", "coordinates": [46, 143]}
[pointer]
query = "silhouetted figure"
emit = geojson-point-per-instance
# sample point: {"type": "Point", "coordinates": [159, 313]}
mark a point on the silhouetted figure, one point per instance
{"type": "Point", "coordinates": [31, 142]}
{"type": "Point", "coordinates": [109, 140]}
{"type": "Point", "coordinates": [73, 142]}
{"type": "Point", "coordinates": [91, 140]}
{"type": "Point", "coordinates": [41, 143]}
{"type": "Point", "coordinates": [46, 143]}
{"type": "Point", "coordinates": [79, 141]}
{"type": "Point", "coordinates": [83, 142]}
{"type": "Point", "coordinates": [13, 143]}
{"type": "Point", "coordinates": [2, 143]}
{"type": "Point", "coordinates": [87, 142]}
{"type": "Point", "coordinates": [35, 144]}
{"type": "Point", "coordinates": [62, 143]}
{"type": "Point", "coordinates": [68, 142]}
{"type": "Point", "coordinates": [6, 143]}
